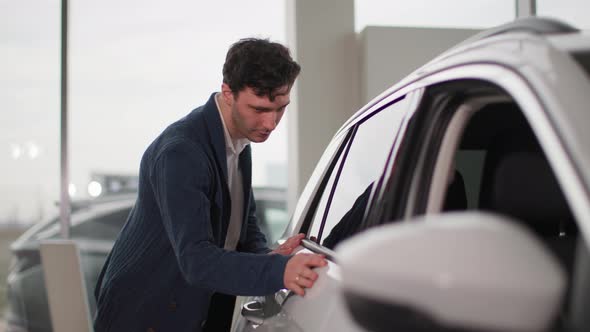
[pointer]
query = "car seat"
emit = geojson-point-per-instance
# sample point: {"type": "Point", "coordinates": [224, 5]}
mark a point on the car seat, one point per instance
{"type": "Point", "coordinates": [518, 181]}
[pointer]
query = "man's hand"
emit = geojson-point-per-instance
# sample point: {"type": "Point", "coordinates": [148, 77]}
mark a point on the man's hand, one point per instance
{"type": "Point", "coordinates": [299, 274]}
{"type": "Point", "coordinates": [291, 243]}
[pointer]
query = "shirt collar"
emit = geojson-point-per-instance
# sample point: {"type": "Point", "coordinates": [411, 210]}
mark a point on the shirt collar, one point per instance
{"type": "Point", "coordinates": [235, 146]}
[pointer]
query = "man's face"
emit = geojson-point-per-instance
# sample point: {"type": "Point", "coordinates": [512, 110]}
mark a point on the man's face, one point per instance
{"type": "Point", "coordinates": [254, 117]}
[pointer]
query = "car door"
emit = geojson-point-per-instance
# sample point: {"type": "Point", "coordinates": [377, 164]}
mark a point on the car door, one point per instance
{"type": "Point", "coordinates": [494, 131]}
{"type": "Point", "coordinates": [335, 212]}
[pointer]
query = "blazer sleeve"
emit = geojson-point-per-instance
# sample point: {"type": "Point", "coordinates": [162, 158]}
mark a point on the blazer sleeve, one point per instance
{"type": "Point", "coordinates": [181, 179]}
{"type": "Point", "coordinates": [255, 241]}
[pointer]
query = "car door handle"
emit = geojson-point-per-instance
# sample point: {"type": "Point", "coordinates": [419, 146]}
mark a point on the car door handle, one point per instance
{"type": "Point", "coordinates": [282, 295]}
{"type": "Point", "coordinates": [253, 311]}
{"type": "Point", "coordinates": [263, 307]}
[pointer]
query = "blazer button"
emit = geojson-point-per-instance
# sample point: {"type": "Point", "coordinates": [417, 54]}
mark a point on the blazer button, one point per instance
{"type": "Point", "coordinates": [172, 306]}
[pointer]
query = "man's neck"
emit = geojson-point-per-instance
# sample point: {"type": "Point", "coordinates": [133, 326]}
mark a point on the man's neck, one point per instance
{"type": "Point", "coordinates": [225, 111]}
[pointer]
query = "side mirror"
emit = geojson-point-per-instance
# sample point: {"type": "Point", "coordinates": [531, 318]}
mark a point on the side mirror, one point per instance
{"type": "Point", "coordinates": [457, 271]}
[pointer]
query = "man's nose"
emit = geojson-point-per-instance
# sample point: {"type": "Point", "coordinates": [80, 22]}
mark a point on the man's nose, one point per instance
{"type": "Point", "coordinates": [270, 121]}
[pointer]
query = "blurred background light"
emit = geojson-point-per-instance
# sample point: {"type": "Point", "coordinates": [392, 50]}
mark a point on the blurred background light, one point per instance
{"type": "Point", "coordinates": [32, 150]}
{"type": "Point", "coordinates": [72, 190]}
{"type": "Point", "coordinates": [16, 151]}
{"type": "Point", "coordinates": [115, 186]}
{"type": "Point", "coordinates": [94, 189]}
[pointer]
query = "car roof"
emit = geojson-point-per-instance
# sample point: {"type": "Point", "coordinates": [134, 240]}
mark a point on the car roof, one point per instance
{"type": "Point", "coordinates": [81, 211]}
{"type": "Point", "coordinates": [541, 48]}
{"type": "Point", "coordinates": [565, 38]}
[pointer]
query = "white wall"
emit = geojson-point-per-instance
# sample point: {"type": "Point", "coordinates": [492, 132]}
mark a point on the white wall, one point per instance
{"type": "Point", "coordinates": [322, 37]}
{"type": "Point", "coordinates": [388, 54]}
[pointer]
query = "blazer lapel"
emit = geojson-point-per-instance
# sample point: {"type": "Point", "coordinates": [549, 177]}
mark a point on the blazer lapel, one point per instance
{"type": "Point", "coordinates": [215, 127]}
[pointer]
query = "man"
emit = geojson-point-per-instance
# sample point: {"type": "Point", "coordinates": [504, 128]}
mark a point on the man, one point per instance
{"type": "Point", "coordinates": [193, 230]}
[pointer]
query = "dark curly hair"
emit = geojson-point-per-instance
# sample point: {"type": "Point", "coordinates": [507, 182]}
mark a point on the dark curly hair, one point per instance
{"type": "Point", "coordinates": [259, 64]}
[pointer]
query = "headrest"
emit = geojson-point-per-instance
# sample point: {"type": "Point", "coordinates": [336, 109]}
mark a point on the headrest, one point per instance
{"type": "Point", "coordinates": [524, 187]}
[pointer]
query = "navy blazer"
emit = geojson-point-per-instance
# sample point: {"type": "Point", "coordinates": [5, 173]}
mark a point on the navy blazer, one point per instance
{"type": "Point", "coordinates": [169, 259]}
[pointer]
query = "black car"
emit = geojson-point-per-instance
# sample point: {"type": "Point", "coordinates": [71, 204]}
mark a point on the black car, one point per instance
{"type": "Point", "coordinates": [95, 225]}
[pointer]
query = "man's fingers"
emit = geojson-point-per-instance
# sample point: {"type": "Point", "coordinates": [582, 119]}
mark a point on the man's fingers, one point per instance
{"type": "Point", "coordinates": [297, 238]}
{"type": "Point", "coordinates": [291, 243]}
{"type": "Point", "coordinates": [298, 273]}
{"type": "Point", "coordinates": [294, 240]}
{"type": "Point", "coordinates": [309, 274]}
{"type": "Point", "coordinates": [299, 285]}
{"type": "Point", "coordinates": [314, 260]}
{"type": "Point", "coordinates": [304, 282]}
{"type": "Point", "coordinates": [294, 286]}
{"type": "Point", "coordinates": [284, 249]}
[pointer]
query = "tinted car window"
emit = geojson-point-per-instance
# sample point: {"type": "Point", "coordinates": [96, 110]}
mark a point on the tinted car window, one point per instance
{"type": "Point", "coordinates": [319, 215]}
{"type": "Point", "coordinates": [583, 59]}
{"type": "Point", "coordinates": [346, 195]}
{"type": "Point", "coordinates": [469, 165]}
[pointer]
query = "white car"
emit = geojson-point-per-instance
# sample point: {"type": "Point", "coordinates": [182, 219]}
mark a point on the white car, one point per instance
{"type": "Point", "coordinates": [457, 200]}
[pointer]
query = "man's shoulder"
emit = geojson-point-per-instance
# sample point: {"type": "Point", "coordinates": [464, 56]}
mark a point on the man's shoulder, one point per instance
{"type": "Point", "coordinates": [196, 124]}
{"type": "Point", "coordinates": [190, 129]}
{"type": "Point", "coordinates": [191, 133]}
{"type": "Point", "coordinates": [176, 138]}
{"type": "Point", "coordinates": [178, 143]}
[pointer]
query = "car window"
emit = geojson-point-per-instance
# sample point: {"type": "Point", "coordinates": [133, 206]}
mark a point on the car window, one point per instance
{"type": "Point", "coordinates": [468, 168]}
{"type": "Point", "coordinates": [346, 195]}
{"type": "Point", "coordinates": [276, 217]}
{"type": "Point", "coordinates": [583, 59]}
{"type": "Point", "coordinates": [499, 165]}
{"type": "Point", "coordinates": [517, 180]}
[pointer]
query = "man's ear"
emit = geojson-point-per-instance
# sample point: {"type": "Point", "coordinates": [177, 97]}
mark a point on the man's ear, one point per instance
{"type": "Point", "coordinates": [227, 94]}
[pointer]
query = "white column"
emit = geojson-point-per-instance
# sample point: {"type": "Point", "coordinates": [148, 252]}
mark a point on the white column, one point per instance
{"type": "Point", "coordinates": [525, 8]}
{"type": "Point", "coordinates": [321, 36]}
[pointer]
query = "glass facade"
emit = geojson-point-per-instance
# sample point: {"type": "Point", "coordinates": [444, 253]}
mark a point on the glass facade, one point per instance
{"type": "Point", "coordinates": [134, 68]}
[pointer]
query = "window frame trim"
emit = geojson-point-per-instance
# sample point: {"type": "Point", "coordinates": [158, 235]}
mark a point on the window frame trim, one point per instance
{"type": "Point", "coordinates": [301, 221]}
{"type": "Point", "coordinates": [313, 199]}
{"type": "Point", "coordinates": [353, 126]}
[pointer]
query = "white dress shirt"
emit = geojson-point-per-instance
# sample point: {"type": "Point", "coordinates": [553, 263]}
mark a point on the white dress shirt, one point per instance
{"type": "Point", "coordinates": [233, 148]}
